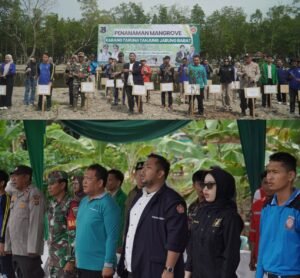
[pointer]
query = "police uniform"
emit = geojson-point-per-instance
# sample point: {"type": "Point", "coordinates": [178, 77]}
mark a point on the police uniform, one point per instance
{"type": "Point", "coordinates": [162, 227]}
{"type": "Point", "coordinates": [79, 68]}
{"type": "Point", "coordinates": [214, 246]}
{"type": "Point", "coordinates": [249, 76]}
{"type": "Point", "coordinates": [25, 229]}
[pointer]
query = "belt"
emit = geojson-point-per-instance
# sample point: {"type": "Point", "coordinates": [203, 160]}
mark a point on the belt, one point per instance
{"type": "Point", "coordinates": [270, 275]}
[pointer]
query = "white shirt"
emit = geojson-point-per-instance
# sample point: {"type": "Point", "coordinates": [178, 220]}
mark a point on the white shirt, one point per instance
{"type": "Point", "coordinates": [269, 72]}
{"type": "Point", "coordinates": [130, 77]}
{"type": "Point", "coordinates": [135, 215]}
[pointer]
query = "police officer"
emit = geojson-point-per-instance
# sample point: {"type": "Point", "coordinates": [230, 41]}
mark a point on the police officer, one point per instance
{"type": "Point", "coordinates": [156, 230]}
{"type": "Point", "coordinates": [214, 246]}
{"type": "Point", "coordinates": [249, 74]}
{"type": "Point", "coordinates": [25, 229]}
{"type": "Point", "coordinates": [80, 74]}
{"type": "Point", "coordinates": [62, 212]}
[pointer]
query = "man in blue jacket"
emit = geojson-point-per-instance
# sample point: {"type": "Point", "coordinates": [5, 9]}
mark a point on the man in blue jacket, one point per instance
{"type": "Point", "coordinates": [45, 74]}
{"type": "Point", "coordinates": [97, 230]}
{"type": "Point", "coordinates": [279, 244]}
{"type": "Point", "coordinates": [156, 229]}
{"type": "Point", "coordinates": [283, 74]}
{"type": "Point", "coordinates": [294, 84]}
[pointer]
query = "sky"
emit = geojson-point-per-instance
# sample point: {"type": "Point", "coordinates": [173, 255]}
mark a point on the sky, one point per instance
{"type": "Point", "coordinates": [71, 8]}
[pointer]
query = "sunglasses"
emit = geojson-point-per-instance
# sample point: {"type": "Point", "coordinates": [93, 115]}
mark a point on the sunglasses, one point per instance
{"type": "Point", "coordinates": [209, 185]}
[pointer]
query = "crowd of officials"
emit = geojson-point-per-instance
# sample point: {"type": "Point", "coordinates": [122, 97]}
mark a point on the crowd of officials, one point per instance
{"type": "Point", "coordinates": [151, 227]}
{"type": "Point", "coordinates": [196, 70]}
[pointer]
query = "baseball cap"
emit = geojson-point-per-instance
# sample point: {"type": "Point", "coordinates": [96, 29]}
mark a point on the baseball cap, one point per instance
{"type": "Point", "coordinates": [139, 165]}
{"type": "Point", "coordinates": [80, 54]}
{"type": "Point", "coordinates": [57, 176]}
{"type": "Point", "coordinates": [22, 170]}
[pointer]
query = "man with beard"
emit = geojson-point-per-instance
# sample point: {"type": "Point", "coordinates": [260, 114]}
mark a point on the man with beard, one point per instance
{"type": "Point", "coordinates": [156, 230]}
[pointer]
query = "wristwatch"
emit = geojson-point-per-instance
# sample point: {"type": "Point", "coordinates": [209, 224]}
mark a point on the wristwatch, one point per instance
{"type": "Point", "coordinates": [169, 269]}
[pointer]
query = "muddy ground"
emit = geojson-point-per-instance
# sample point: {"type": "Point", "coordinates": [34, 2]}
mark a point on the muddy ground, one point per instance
{"type": "Point", "coordinates": [98, 107]}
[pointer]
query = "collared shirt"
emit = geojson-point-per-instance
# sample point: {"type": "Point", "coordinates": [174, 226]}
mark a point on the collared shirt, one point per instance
{"type": "Point", "coordinates": [25, 228]}
{"type": "Point", "coordinates": [130, 76]}
{"type": "Point", "coordinates": [97, 232]}
{"type": "Point", "coordinates": [135, 215]}
{"type": "Point", "coordinates": [269, 72]}
{"type": "Point", "coordinates": [280, 238]}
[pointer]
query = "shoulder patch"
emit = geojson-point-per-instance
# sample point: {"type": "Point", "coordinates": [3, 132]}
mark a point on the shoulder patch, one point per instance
{"type": "Point", "coordinates": [36, 199]}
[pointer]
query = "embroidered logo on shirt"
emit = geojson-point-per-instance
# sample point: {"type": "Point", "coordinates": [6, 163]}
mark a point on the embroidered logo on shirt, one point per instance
{"type": "Point", "coordinates": [36, 199]}
{"type": "Point", "coordinates": [290, 222]}
{"type": "Point", "coordinates": [180, 209]}
{"type": "Point", "coordinates": [217, 222]}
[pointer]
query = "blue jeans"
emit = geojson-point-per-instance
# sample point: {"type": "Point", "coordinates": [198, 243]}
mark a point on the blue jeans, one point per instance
{"type": "Point", "coordinates": [30, 86]}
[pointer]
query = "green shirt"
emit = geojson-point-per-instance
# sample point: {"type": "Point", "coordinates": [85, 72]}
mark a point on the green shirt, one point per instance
{"type": "Point", "coordinates": [120, 198]}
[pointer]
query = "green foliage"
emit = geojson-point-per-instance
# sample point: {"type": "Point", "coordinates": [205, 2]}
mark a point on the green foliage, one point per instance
{"type": "Point", "coordinates": [227, 31]}
{"type": "Point", "coordinates": [199, 145]}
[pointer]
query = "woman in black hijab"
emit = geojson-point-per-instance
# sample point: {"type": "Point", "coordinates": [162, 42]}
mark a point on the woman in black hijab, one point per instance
{"type": "Point", "coordinates": [214, 247]}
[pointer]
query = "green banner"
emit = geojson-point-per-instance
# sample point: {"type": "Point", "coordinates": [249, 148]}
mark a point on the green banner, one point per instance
{"type": "Point", "coordinates": [149, 41]}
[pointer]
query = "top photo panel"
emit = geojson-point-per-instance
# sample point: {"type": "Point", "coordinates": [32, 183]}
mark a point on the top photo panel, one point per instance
{"type": "Point", "coordinates": [85, 60]}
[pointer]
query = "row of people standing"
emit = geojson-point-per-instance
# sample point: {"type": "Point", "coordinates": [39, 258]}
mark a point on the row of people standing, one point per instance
{"type": "Point", "coordinates": [156, 226]}
{"type": "Point", "coordinates": [138, 72]}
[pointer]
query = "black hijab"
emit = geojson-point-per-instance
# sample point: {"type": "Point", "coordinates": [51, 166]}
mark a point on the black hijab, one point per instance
{"type": "Point", "coordinates": [225, 189]}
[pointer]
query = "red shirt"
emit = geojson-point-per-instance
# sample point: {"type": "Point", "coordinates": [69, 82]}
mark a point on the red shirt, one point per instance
{"type": "Point", "coordinates": [256, 209]}
{"type": "Point", "coordinates": [146, 73]}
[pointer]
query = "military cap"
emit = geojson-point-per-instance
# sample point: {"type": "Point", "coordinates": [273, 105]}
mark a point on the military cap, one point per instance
{"type": "Point", "coordinates": [57, 176]}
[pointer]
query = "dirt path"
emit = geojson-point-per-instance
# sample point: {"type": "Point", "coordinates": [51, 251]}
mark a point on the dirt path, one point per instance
{"type": "Point", "coordinates": [99, 108]}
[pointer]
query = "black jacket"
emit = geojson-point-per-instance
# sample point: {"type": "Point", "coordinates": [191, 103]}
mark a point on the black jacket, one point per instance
{"type": "Point", "coordinates": [163, 226]}
{"type": "Point", "coordinates": [136, 73]}
{"type": "Point", "coordinates": [214, 246]}
{"type": "Point", "coordinates": [226, 74]}
{"type": "Point", "coordinates": [33, 69]}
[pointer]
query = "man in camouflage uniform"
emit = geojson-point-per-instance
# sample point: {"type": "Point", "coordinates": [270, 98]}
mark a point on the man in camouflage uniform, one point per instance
{"type": "Point", "coordinates": [80, 72]}
{"type": "Point", "coordinates": [62, 210]}
{"type": "Point", "coordinates": [25, 228]}
{"type": "Point", "coordinates": [69, 76]}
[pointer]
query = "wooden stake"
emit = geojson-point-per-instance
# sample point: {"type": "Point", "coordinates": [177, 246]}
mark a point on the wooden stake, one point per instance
{"type": "Point", "coordinates": [139, 103]}
{"type": "Point", "coordinates": [253, 105]}
{"type": "Point", "coordinates": [43, 104]}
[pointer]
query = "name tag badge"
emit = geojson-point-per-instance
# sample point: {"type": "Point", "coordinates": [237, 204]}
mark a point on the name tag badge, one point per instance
{"type": "Point", "coordinates": [217, 222]}
{"type": "Point", "coordinates": [22, 205]}
{"type": "Point", "coordinates": [158, 218]}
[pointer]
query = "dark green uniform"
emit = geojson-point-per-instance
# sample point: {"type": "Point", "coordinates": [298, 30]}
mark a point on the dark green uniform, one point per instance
{"type": "Point", "coordinates": [78, 68]}
{"type": "Point", "coordinates": [61, 220]}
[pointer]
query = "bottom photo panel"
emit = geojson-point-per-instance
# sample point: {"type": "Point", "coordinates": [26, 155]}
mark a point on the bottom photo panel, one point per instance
{"type": "Point", "coordinates": [150, 198]}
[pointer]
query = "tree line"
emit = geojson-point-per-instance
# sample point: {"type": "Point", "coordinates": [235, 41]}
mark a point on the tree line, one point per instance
{"type": "Point", "coordinates": [29, 28]}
